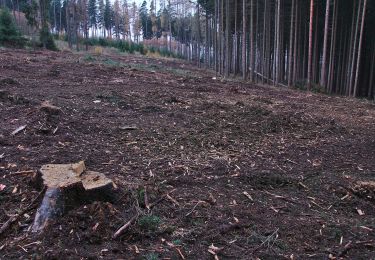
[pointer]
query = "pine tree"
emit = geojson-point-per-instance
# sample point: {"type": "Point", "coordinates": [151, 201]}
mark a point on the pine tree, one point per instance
{"type": "Point", "coordinates": [153, 18]}
{"type": "Point", "coordinates": [126, 19]}
{"type": "Point", "coordinates": [93, 14]}
{"type": "Point", "coordinates": [145, 21]}
{"type": "Point", "coordinates": [9, 34]}
{"type": "Point", "coordinates": [100, 18]}
{"type": "Point", "coordinates": [116, 19]}
{"type": "Point", "coordinates": [108, 17]}
{"type": "Point", "coordinates": [136, 22]}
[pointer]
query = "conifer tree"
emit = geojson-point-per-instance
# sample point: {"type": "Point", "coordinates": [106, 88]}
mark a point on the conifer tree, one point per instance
{"type": "Point", "coordinates": [93, 14]}
{"type": "Point", "coordinates": [9, 34]}
{"type": "Point", "coordinates": [101, 11]}
{"type": "Point", "coordinates": [108, 17]}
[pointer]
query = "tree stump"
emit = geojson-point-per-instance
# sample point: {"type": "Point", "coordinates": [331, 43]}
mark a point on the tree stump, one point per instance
{"type": "Point", "coordinates": [68, 185]}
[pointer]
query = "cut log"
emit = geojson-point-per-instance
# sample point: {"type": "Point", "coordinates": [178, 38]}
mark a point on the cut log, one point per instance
{"type": "Point", "coordinates": [68, 185]}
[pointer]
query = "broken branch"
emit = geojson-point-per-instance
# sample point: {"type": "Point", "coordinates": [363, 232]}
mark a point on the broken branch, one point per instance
{"type": "Point", "coordinates": [14, 218]}
{"type": "Point", "coordinates": [122, 229]}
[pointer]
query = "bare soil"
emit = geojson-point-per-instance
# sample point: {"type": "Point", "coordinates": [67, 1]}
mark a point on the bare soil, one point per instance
{"type": "Point", "coordinates": [251, 171]}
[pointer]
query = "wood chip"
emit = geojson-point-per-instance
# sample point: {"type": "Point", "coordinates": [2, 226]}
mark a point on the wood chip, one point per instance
{"type": "Point", "coordinates": [366, 228]}
{"type": "Point", "coordinates": [19, 129]}
{"type": "Point", "coordinates": [248, 195]}
{"type": "Point", "coordinates": [360, 212]}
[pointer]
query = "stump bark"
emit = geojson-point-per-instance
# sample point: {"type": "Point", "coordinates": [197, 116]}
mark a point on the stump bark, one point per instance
{"type": "Point", "coordinates": [68, 185]}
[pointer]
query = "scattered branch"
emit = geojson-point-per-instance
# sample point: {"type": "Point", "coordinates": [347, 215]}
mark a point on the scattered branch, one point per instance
{"type": "Point", "coordinates": [14, 218]}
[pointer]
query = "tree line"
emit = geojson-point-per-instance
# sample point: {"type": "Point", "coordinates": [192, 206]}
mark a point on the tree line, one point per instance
{"type": "Point", "coordinates": [326, 45]}
{"type": "Point", "coordinates": [323, 45]}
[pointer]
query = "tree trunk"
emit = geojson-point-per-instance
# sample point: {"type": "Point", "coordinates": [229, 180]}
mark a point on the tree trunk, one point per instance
{"type": "Point", "coordinates": [295, 55]}
{"type": "Point", "coordinates": [257, 43]}
{"type": "Point", "coordinates": [323, 72]}
{"type": "Point", "coordinates": [206, 45]}
{"type": "Point", "coordinates": [221, 36]}
{"type": "Point", "coordinates": [252, 55]}
{"type": "Point", "coordinates": [349, 54]}
{"type": "Point", "coordinates": [227, 36]}
{"type": "Point", "coordinates": [333, 48]}
{"type": "Point", "coordinates": [264, 41]}
{"type": "Point", "coordinates": [371, 84]}
{"type": "Point", "coordinates": [359, 49]}
{"type": "Point", "coordinates": [291, 45]}
{"type": "Point", "coordinates": [235, 49]}
{"type": "Point", "coordinates": [309, 63]}
{"type": "Point", "coordinates": [315, 49]}
{"type": "Point", "coordinates": [354, 50]}
{"type": "Point", "coordinates": [198, 38]}
{"type": "Point", "coordinates": [277, 49]}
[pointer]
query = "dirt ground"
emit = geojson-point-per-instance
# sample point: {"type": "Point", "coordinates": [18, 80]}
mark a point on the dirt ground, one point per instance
{"type": "Point", "coordinates": [231, 170]}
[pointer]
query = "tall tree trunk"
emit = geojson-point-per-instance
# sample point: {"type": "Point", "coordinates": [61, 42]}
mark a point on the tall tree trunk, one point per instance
{"type": "Point", "coordinates": [206, 47]}
{"type": "Point", "coordinates": [371, 84]}
{"type": "Point", "coordinates": [227, 40]}
{"type": "Point", "coordinates": [323, 72]}
{"type": "Point", "coordinates": [333, 47]}
{"type": "Point", "coordinates": [295, 58]}
{"type": "Point", "coordinates": [217, 30]}
{"type": "Point", "coordinates": [222, 36]}
{"type": "Point", "coordinates": [315, 52]}
{"type": "Point", "coordinates": [198, 38]}
{"type": "Point", "coordinates": [257, 43]}
{"type": "Point", "coordinates": [359, 49]}
{"type": "Point", "coordinates": [309, 63]}
{"type": "Point", "coordinates": [354, 50]}
{"type": "Point", "coordinates": [291, 45]}
{"type": "Point", "coordinates": [344, 55]}
{"type": "Point", "coordinates": [235, 49]}
{"type": "Point", "coordinates": [277, 49]}
{"type": "Point", "coordinates": [252, 56]}
{"type": "Point", "coordinates": [349, 54]}
{"type": "Point", "coordinates": [264, 63]}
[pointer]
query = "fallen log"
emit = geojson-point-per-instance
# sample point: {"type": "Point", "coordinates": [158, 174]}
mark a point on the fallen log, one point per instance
{"type": "Point", "coordinates": [68, 185]}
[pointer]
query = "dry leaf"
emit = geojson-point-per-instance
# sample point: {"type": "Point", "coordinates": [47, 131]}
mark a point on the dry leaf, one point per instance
{"type": "Point", "coordinates": [2, 187]}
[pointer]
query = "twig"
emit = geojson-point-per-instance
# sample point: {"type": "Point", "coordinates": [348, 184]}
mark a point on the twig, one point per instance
{"type": "Point", "coordinates": [279, 197]}
{"type": "Point", "coordinates": [175, 247]}
{"type": "Point", "coordinates": [180, 253]}
{"type": "Point", "coordinates": [23, 172]}
{"type": "Point", "coordinates": [248, 195]}
{"type": "Point", "coordinates": [14, 218]}
{"type": "Point", "coordinates": [121, 230]}
{"type": "Point", "coordinates": [146, 199]}
{"type": "Point", "coordinates": [24, 249]}
{"type": "Point", "coordinates": [293, 162]}
{"type": "Point", "coordinates": [196, 205]}
{"type": "Point", "coordinates": [161, 199]}
{"type": "Point", "coordinates": [173, 200]}
{"type": "Point", "coordinates": [266, 240]}
{"type": "Point", "coordinates": [19, 129]}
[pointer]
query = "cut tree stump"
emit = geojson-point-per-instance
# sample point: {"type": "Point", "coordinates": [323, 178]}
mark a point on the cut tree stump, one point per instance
{"type": "Point", "coordinates": [68, 185]}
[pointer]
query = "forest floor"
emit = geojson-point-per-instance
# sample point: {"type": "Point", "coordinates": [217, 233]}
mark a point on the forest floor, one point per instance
{"type": "Point", "coordinates": [232, 170]}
